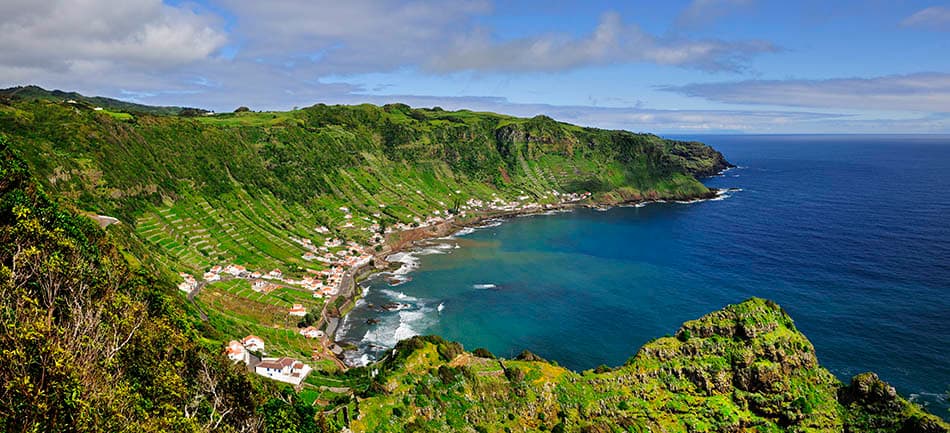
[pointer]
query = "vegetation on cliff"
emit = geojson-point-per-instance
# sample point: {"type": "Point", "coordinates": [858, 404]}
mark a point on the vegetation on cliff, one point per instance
{"type": "Point", "coordinates": [743, 368]}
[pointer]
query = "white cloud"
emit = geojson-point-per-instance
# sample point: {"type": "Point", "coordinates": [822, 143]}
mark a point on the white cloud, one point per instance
{"type": "Point", "coordinates": [93, 36]}
{"type": "Point", "coordinates": [611, 42]}
{"type": "Point", "coordinates": [921, 92]}
{"type": "Point", "coordinates": [350, 36]}
{"type": "Point", "coordinates": [934, 17]}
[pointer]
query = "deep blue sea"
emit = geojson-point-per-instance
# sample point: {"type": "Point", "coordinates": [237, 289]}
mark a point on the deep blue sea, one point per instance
{"type": "Point", "coordinates": [850, 234]}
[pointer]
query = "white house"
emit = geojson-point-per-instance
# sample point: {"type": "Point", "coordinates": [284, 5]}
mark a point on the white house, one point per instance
{"type": "Point", "coordinates": [253, 342]}
{"type": "Point", "coordinates": [211, 276]}
{"type": "Point", "coordinates": [259, 285]}
{"type": "Point", "coordinates": [311, 332]}
{"type": "Point", "coordinates": [298, 310]}
{"type": "Point", "coordinates": [235, 270]}
{"type": "Point", "coordinates": [287, 370]}
{"type": "Point", "coordinates": [236, 352]}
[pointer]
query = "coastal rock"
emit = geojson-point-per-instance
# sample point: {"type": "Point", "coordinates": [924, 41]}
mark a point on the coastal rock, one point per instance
{"type": "Point", "coordinates": [742, 368]}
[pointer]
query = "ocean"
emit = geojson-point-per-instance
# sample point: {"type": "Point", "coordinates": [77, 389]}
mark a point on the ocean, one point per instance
{"type": "Point", "coordinates": [850, 234]}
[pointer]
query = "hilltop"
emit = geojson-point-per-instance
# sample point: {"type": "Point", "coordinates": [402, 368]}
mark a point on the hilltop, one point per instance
{"type": "Point", "coordinates": [92, 102]}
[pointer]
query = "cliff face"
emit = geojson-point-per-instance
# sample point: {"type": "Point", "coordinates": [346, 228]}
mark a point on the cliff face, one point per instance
{"type": "Point", "coordinates": [743, 368]}
{"type": "Point", "coordinates": [697, 158]}
{"type": "Point", "coordinates": [123, 164]}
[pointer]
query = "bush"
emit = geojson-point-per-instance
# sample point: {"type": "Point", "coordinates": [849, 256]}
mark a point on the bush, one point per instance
{"type": "Point", "coordinates": [242, 109]}
{"type": "Point", "coordinates": [514, 375]}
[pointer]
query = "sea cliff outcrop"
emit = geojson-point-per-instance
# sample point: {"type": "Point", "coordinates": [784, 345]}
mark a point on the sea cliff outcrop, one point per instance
{"type": "Point", "coordinates": [743, 368]}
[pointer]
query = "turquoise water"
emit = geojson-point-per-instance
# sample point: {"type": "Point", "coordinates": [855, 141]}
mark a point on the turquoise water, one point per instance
{"type": "Point", "coordinates": [850, 234]}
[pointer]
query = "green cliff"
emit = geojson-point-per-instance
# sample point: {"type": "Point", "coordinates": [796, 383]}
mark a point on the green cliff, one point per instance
{"type": "Point", "coordinates": [743, 368]}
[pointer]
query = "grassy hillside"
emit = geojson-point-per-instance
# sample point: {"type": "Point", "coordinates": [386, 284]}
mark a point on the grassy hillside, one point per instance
{"type": "Point", "coordinates": [743, 368]}
{"type": "Point", "coordinates": [91, 102]}
{"type": "Point", "coordinates": [90, 343]}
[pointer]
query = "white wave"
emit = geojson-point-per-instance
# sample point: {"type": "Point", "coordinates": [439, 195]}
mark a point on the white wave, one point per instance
{"type": "Point", "coordinates": [409, 321]}
{"type": "Point", "coordinates": [440, 307]}
{"type": "Point", "coordinates": [409, 262]}
{"type": "Point", "coordinates": [491, 223]}
{"type": "Point", "coordinates": [399, 295]}
{"type": "Point", "coordinates": [407, 324]}
{"type": "Point", "coordinates": [435, 248]}
{"type": "Point", "coordinates": [465, 231]}
{"type": "Point", "coordinates": [484, 286]}
{"type": "Point", "coordinates": [355, 358]}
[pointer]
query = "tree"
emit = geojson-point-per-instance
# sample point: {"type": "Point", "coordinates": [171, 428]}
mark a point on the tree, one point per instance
{"type": "Point", "coordinates": [242, 109]}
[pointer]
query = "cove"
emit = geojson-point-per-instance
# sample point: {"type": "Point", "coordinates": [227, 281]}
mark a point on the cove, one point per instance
{"type": "Point", "coordinates": [848, 233]}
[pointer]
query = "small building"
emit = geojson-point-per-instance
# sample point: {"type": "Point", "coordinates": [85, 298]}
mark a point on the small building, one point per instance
{"type": "Point", "coordinates": [298, 310]}
{"type": "Point", "coordinates": [211, 276]}
{"type": "Point", "coordinates": [286, 370]}
{"type": "Point", "coordinates": [275, 274]}
{"type": "Point", "coordinates": [235, 270]}
{"type": "Point", "coordinates": [259, 285]}
{"type": "Point", "coordinates": [236, 352]}
{"type": "Point", "coordinates": [253, 342]}
{"type": "Point", "coordinates": [311, 332]}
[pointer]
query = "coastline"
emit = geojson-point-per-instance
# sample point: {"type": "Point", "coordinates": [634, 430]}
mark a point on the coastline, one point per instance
{"type": "Point", "coordinates": [407, 240]}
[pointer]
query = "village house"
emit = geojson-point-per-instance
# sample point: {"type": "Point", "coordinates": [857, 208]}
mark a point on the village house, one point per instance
{"type": "Point", "coordinates": [275, 274]}
{"type": "Point", "coordinates": [258, 285]}
{"type": "Point", "coordinates": [236, 352]}
{"type": "Point", "coordinates": [286, 370]}
{"type": "Point", "coordinates": [235, 270]}
{"type": "Point", "coordinates": [253, 342]}
{"type": "Point", "coordinates": [298, 310]}
{"type": "Point", "coordinates": [311, 332]}
{"type": "Point", "coordinates": [211, 276]}
{"type": "Point", "coordinates": [188, 284]}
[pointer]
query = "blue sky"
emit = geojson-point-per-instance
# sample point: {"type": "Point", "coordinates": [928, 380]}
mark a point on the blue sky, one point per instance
{"type": "Point", "coordinates": [690, 66]}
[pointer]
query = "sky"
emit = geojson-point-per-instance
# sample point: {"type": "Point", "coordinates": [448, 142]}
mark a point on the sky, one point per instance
{"type": "Point", "coordinates": [674, 67]}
